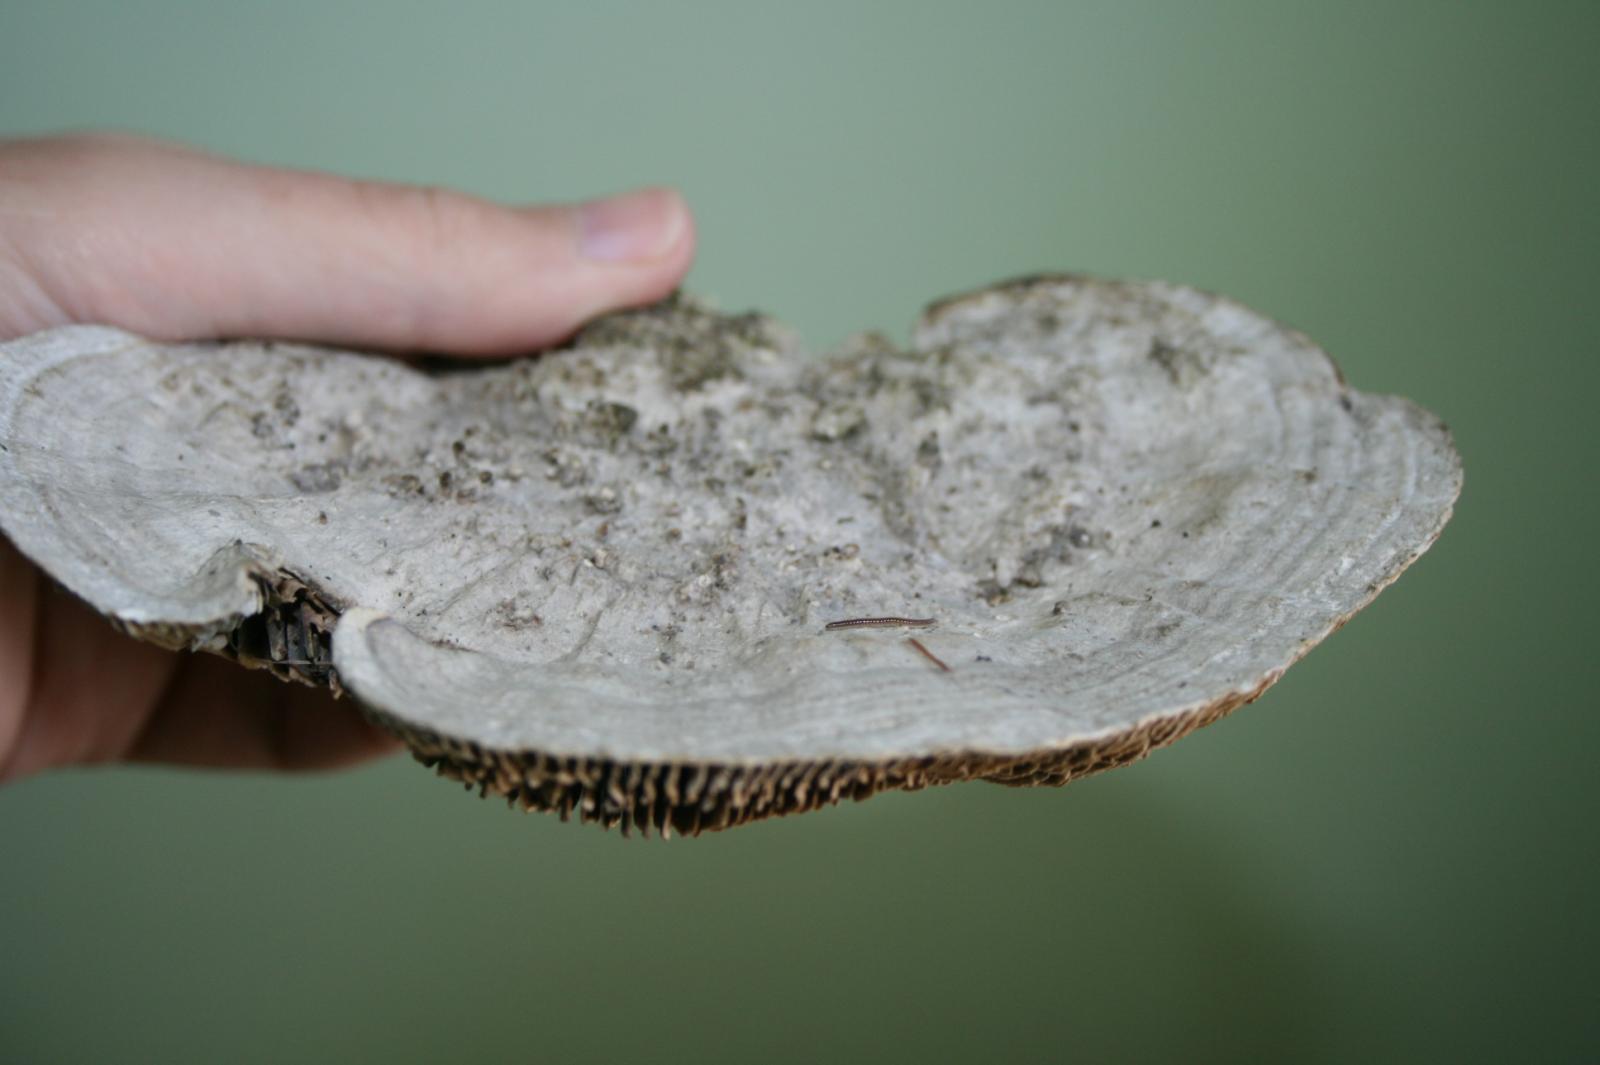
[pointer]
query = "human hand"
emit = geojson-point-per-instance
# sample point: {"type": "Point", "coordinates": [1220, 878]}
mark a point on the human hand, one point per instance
{"type": "Point", "coordinates": [175, 244]}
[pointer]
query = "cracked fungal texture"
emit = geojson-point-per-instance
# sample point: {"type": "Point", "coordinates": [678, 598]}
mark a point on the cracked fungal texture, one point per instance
{"type": "Point", "coordinates": [574, 579]}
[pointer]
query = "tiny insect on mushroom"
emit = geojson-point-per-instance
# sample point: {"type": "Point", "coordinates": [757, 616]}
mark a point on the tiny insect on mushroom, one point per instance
{"type": "Point", "coordinates": [864, 623]}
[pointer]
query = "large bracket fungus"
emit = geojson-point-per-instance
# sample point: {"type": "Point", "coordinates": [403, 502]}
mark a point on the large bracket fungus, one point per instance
{"type": "Point", "coordinates": [598, 582]}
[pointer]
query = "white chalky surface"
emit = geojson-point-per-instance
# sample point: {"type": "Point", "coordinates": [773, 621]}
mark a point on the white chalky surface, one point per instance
{"type": "Point", "coordinates": [1119, 502]}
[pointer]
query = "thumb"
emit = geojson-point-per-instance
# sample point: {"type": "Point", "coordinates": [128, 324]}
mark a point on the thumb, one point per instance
{"type": "Point", "coordinates": [174, 243]}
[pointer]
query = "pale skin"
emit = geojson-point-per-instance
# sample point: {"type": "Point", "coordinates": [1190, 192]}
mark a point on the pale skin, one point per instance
{"type": "Point", "coordinates": [173, 243]}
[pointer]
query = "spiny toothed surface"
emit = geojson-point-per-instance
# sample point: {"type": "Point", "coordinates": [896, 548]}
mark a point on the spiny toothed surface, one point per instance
{"type": "Point", "coordinates": [687, 799]}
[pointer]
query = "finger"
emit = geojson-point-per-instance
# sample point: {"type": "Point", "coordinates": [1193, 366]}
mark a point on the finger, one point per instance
{"type": "Point", "coordinates": [88, 687]}
{"type": "Point", "coordinates": [90, 694]}
{"type": "Point", "coordinates": [170, 242]}
{"type": "Point", "coordinates": [19, 597]}
{"type": "Point", "coordinates": [217, 715]}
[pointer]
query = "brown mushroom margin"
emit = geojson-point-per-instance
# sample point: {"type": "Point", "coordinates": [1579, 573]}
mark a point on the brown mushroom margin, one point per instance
{"type": "Point", "coordinates": [689, 798]}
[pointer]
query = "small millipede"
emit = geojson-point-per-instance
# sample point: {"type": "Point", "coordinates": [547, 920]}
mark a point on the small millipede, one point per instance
{"type": "Point", "coordinates": [865, 623]}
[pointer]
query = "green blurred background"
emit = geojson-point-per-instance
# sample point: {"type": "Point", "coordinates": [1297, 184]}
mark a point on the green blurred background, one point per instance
{"type": "Point", "coordinates": [1392, 856]}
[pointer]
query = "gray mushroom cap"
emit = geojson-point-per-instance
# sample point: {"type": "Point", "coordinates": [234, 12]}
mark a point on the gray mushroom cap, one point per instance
{"type": "Point", "coordinates": [598, 581]}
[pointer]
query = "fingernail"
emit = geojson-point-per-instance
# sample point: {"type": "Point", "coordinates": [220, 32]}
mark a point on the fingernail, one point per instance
{"type": "Point", "coordinates": [636, 226]}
